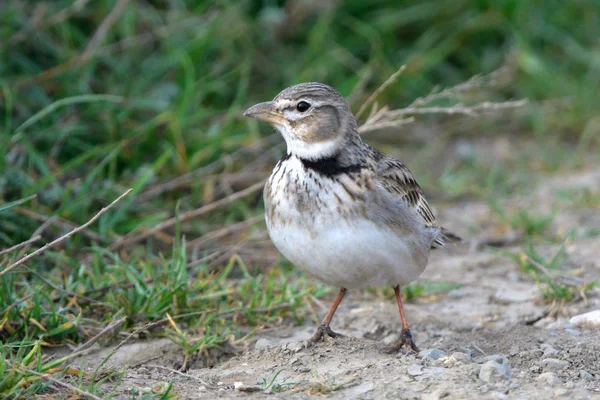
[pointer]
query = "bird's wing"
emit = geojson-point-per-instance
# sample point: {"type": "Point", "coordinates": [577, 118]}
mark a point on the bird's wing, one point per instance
{"type": "Point", "coordinates": [397, 179]}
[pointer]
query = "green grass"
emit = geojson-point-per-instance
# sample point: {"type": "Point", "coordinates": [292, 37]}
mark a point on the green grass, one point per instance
{"type": "Point", "coordinates": [550, 274]}
{"type": "Point", "coordinates": [155, 105]}
{"type": "Point", "coordinates": [270, 385]}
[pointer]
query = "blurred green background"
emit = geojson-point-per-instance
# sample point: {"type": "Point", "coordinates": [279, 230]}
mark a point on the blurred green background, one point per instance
{"type": "Point", "coordinates": [185, 70]}
{"type": "Point", "coordinates": [100, 96]}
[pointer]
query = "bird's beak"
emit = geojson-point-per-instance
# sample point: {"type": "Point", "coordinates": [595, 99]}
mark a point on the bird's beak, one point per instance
{"type": "Point", "coordinates": [265, 112]}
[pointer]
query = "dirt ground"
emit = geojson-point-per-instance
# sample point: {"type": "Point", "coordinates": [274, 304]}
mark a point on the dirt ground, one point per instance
{"type": "Point", "coordinates": [492, 337]}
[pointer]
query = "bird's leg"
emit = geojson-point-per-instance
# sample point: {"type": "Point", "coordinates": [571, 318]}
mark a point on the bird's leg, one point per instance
{"type": "Point", "coordinates": [405, 336]}
{"type": "Point", "coordinates": [324, 325]}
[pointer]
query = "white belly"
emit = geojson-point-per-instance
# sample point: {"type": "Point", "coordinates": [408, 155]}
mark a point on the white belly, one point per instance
{"type": "Point", "coordinates": [350, 254]}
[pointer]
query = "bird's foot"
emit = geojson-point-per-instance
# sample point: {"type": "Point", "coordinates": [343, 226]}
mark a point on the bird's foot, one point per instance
{"type": "Point", "coordinates": [323, 329]}
{"type": "Point", "coordinates": [406, 341]}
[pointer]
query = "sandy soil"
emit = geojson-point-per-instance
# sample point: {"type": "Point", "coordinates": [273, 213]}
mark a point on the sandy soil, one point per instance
{"type": "Point", "coordinates": [492, 337]}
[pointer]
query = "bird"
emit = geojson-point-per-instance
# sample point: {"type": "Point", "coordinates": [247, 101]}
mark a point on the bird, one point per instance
{"type": "Point", "coordinates": [340, 210]}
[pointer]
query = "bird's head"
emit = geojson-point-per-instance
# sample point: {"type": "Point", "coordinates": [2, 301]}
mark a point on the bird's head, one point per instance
{"type": "Point", "coordinates": [313, 118]}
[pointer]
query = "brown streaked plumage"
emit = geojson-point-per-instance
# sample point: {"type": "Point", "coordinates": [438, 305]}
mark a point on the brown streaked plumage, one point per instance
{"type": "Point", "coordinates": [339, 209]}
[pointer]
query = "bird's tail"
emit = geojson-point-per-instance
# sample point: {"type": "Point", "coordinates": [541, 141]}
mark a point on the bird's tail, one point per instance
{"type": "Point", "coordinates": [444, 237]}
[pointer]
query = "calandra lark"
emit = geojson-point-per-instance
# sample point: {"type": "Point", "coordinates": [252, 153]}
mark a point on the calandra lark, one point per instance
{"type": "Point", "coordinates": [339, 209]}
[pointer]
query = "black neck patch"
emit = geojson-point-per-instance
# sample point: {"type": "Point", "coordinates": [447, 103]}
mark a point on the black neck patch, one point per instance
{"type": "Point", "coordinates": [329, 166]}
{"type": "Point", "coordinates": [286, 157]}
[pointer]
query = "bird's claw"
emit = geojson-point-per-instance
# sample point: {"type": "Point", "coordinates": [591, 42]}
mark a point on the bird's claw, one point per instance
{"type": "Point", "coordinates": [406, 341]}
{"type": "Point", "coordinates": [323, 329]}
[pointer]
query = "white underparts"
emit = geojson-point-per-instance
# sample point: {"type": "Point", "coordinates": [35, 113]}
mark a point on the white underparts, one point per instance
{"type": "Point", "coordinates": [339, 248]}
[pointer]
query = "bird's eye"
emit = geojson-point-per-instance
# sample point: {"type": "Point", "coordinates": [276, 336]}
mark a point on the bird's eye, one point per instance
{"type": "Point", "coordinates": [302, 106]}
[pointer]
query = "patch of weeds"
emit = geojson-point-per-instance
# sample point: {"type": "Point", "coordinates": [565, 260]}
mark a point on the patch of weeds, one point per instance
{"type": "Point", "coordinates": [552, 287]}
{"type": "Point", "coordinates": [552, 290]}
{"type": "Point", "coordinates": [272, 386]}
{"type": "Point", "coordinates": [533, 225]}
{"type": "Point", "coordinates": [530, 223]}
{"type": "Point", "coordinates": [531, 259]}
{"type": "Point", "coordinates": [209, 339]}
{"type": "Point", "coordinates": [144, 292]}
{"type": "Point", "coordinates": [25, 371]}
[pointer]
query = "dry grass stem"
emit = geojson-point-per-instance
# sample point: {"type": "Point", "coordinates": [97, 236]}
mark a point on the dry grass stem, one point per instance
{"type": "Point", "coordinates": [185, 179]}
{"type": "Point", "coordinates": [35, 238]}
{"type": "Point", "coordinates": [492, 79]}
{"type": "Point", "coordinates": [103, 29]}
{"type": "Point", "coordinates": [40, 20]}
{"type": "Point", "coordinates": [60, 223]}
{"type": "Point", "coordinates": [58, 382]}
{"type": "Point", "coordinates": [64, 237]}
{"type": "Point", "coordinates": [380, 89]}
{"type": "Point", "coordinates": [109, 328]}
{"type": "Point", "coordinates": [384, 125]}
{"type": "Point", "coordinates": [384, 118]}
{"type": "Point", "coordinates": [16, 303]}
{"type": "Point", "coordinates": [568, 281]}
{"type": "Point", "coordinates": [227, 230]}
{"type": "Point", "coordinates": [131, 239]}
{"type": "Point", "coordinates": [471, 111]}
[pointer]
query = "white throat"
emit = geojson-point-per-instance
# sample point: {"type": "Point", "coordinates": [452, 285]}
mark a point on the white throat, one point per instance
{"type": "Point", "coordinates": [310, 150]}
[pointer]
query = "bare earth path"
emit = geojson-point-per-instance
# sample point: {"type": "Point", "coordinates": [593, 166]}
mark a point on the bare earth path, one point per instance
{"type": "Point", "coordinates": [492, 337]}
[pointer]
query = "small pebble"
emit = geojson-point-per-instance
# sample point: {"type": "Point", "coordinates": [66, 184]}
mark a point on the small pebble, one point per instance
{"type": "Point", "coordinates": [570, 385]}
{"type": "Point", "coordinates": [534, 353]}
{"type": "Point", "coordinates": [414, 370]}
{"type": "Point", "coordinates": [432, 354]}
{"type": "Point", "coordinates": [493, 372]}
{"type": "Point", "coordinates": [583, 374]}
{"type": "Point", "coordinates": [460, 356]}
{"type": "Point", "coordinates": [499, 358]}
{"type": "Point", "coordinates": [574, 351]}
{"type": "Point", "coordinates": [589, 320]}
{"type": "Point", "coordinates": [550, 352]}
{"type": "Point", "coordinates": [550, 378]}
{"type": "Point", "coordinates": [554, 364]}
